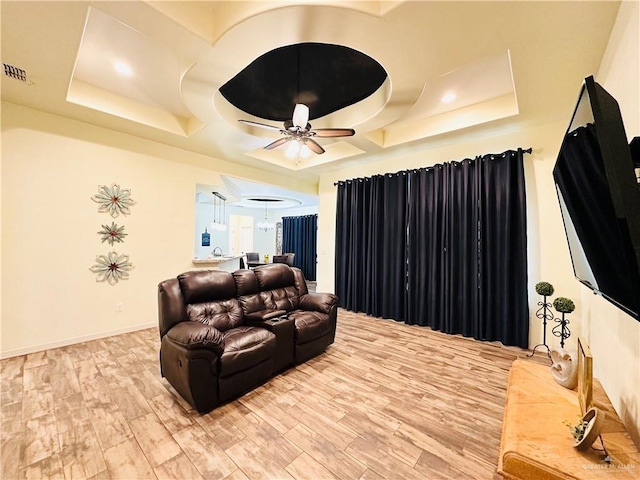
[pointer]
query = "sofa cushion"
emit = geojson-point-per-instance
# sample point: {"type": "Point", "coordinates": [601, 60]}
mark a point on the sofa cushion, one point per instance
{"type": "Point", "coordinates": [278, 288]}
{"type": "Point", "coordinates": [310, 325]}
{"type": "Point", "coordinates": [319, 302]}
{"type": "Point", "coordinates": [251, 303]}
{"type": "Point", "coordinates": [263, 315]}
{"type": "Point", "coordinates": [248, 291]}
{"type": "Point", "coordinates": [206, 286]}
{"type": "Point", "coordinates": [300, 282]}
{"type": "Point", "coordinates": [281, 298]}
{"type": "Point", "coordinates": [171, 306]}
{"type": "Point", "coordinates": [274, 275]}
{"type": "Point", "coordinates": [194, 336]}
{"type": "Point", "coordinates": [245, 347]}
{"type": "Point", "coordinates": [246, 282]}
{"type": "Point", "coordinates": [223, 314]}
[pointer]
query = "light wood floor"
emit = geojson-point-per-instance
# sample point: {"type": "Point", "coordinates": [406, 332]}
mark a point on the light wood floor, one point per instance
{"type": "Point", "coordinates": [386, 400]}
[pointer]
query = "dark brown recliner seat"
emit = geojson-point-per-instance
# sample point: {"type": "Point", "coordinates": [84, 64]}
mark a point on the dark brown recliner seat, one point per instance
{"type": "Point", "coordinates": [208, 352]}
{"type": "Point", "coordinates": [284, 288]}
{"type": "Point", "coordinates": [223, 334]}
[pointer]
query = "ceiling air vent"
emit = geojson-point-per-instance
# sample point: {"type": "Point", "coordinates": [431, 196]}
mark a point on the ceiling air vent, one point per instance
{"type": "Point", "coordinates": [14, 72]}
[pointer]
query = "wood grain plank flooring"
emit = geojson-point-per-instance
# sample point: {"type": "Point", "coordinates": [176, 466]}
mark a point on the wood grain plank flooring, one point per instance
{"type": "Point", "coordinates": [385, 401]}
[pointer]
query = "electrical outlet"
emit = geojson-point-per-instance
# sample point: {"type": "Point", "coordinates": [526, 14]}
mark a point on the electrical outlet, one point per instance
{"type": "Point", "coordinates": [119, 307]}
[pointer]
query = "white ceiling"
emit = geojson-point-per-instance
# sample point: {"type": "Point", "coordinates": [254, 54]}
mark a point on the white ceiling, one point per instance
{"type": "Point", "coordinates": [511, 65]}
{"type": "Point", "coordinates": [244, 193]}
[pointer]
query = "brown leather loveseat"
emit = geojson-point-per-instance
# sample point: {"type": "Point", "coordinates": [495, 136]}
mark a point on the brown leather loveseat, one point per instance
{"type": "Point", "coordinates": [223, 333]}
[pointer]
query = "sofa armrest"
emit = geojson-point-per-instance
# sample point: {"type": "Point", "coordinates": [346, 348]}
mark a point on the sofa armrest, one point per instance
{"type": "Point", "coordinates": [196, 335]}
{"type": "Point", "coordinates": [262, 315]}
{"type": "Point", "coordinates": [318, 302]}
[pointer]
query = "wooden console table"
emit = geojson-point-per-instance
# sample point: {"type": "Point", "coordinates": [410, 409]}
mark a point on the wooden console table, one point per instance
{"type": "Point", "coordinates": [537, 444]}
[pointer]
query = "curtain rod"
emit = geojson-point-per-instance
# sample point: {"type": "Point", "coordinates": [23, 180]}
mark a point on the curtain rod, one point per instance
{"type": "Point", "coordinates": [524, 150]}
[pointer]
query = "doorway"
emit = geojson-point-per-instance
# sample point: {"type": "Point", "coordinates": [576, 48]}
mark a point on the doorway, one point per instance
{"type": "Point", "coordinates": [240, 234]}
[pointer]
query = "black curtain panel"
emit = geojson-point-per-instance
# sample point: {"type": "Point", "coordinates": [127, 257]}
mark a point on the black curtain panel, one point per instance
{"type": "Point", "coordinates": [443, 264]}
{"type": "Point", "coordinates": [371, 245]}
{"type": "Point", "coordinates": [503, 250]}
{"type": "Point", "coordinates": [300, 236]}
{"type": "Point", "coordinates": [460, 261]}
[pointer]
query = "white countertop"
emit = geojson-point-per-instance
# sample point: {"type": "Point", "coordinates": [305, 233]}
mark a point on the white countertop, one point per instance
{"type": "Point", "coordinates": [215, 260]}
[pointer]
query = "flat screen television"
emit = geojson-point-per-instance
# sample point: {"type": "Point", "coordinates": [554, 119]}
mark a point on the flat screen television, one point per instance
{"type": "Point", "coordinates": [599, 198]}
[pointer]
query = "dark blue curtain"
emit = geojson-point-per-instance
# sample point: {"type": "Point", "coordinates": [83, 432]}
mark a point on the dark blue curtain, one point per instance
{"type": "Point", "coordinates": [459, 262]}
{"type": "Point", "coordinates": [300, 236]}
{"type": "Point", "coordinates": [371, 242]}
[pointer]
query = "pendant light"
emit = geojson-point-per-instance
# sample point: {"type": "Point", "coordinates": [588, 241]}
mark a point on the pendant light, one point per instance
{"type": "Point", "coordinates": [219, 212]}
{"type": "Point", "coordinates": [266, 225]}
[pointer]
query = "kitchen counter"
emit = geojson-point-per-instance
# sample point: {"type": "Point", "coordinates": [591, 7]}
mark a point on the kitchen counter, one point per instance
{"type": "Point", "coordinates": [229, 263]}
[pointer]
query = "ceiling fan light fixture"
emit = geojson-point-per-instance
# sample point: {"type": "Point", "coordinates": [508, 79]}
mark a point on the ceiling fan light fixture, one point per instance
{"type": "Point", "coordinates": [300, 116]}
{"type": "Point", "coordinates": [300, 133]}
{"type": "Point", "coordinates": [293, 149]}
{"type": "Point", "coordinates": [305, 152]}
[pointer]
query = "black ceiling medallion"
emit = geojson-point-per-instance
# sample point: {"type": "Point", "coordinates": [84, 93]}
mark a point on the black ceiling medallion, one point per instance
{"type": "Point", "coordinates": [265, 199]}
{"type": "Point", "coordinates": [322, 76]}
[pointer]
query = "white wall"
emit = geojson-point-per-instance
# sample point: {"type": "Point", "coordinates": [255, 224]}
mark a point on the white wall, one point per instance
{"type": "Point", "coordinates": [50, 241]}
{"type": "Point", "coordinates": [51, 166]}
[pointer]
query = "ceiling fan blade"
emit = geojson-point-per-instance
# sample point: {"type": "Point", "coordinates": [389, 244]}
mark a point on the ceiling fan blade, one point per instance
{"type": "Point", "coordinates": [260, 125]}
{"type": "Point", "coordinates": [277, 143]}
{"type": "Point", "coordinates": [334, 132]}
{"type": "Point", "coordinates": [300, 115]}
{"type": "Point", "coordinates": [313, 146]}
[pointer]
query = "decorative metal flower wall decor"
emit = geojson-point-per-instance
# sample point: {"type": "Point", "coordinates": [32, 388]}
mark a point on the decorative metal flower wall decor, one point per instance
{"type": "Point", "coordinates": [112, 233]}
{"type": "Point", "coordinates": [112, 267]}
{"type": "Point", "coordinates": [114, 200]}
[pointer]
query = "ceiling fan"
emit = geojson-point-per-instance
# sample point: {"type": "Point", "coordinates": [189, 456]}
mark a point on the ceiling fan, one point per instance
{"type": "Point", "coordinates": [299, 129]}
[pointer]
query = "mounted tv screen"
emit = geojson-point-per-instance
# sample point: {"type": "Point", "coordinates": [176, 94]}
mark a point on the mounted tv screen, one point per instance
{"type": "Point", "coordinates": [600, 199]}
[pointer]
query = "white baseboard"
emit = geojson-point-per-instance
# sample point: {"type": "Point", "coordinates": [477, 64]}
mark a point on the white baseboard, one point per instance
{"type": "Point", "coordinates": [70, 341]}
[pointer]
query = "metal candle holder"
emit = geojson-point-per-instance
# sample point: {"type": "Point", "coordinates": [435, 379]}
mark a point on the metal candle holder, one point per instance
{"type": "Point", "coordinates": [545, 315]}
{"type": "Point", "coordinates": [561, 330]}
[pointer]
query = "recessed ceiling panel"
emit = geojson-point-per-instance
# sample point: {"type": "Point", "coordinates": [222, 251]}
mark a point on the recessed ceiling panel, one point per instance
{"type": "Point", "coordinates": [470, 84]}
{"type": "Point", "coordinates": [130, 75]}
{"type": "Point", "coordinates": [324, 77]}
{"type": "Point", "coordinates": [473, 94]}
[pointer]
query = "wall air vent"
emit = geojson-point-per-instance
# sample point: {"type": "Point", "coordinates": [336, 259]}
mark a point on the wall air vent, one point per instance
{"type": "Point", "coordinates": [15, 72]}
